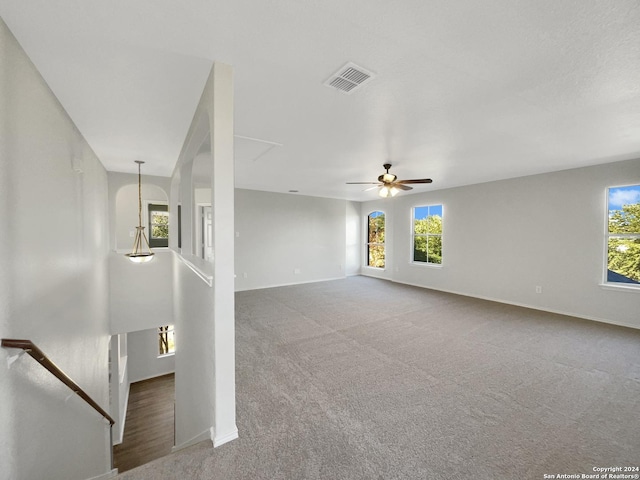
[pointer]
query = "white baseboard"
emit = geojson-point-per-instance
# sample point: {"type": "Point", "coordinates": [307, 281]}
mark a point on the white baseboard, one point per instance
{"type": "Point", "coordinates": [518, 304]}
{"type": "Point", "coordinates": [111, 474]}
{"type": "Point", "coordinates": [118, 441]}
{"type": "Point", "coordinates": [153, 375]}
{"type": "Point", "coordinates": [206, 435]}
{"type": "Point", "coordinates": [276, 285]}
{"type": "Point", "coordinates": [222, 439]}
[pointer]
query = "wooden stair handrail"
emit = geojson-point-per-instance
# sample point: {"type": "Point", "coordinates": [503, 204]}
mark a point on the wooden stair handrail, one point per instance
{"type": "Point", "coordinates": [29, 347]}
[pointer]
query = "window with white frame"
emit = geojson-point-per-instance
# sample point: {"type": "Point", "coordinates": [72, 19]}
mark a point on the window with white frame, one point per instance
{"type": "Point", "coordinates": [623, 235]}
{"type": "Point", "coordinates": [375, 239]}
{"type": "Point", "coordinates": [166, 340]}
{"type": "Point", "coordinates": [158, 225]}
{"type": "Point", "coordinates": [427, 234]}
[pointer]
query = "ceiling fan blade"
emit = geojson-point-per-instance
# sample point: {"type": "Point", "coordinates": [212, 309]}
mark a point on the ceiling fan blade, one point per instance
{"type": "Point", "coordinates": [417, 180]}
{"type": "Point", "coordinates": [389, 183]}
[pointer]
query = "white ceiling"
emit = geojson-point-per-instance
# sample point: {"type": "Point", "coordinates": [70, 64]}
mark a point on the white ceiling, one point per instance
{"type": "Point", "coordinates": [465, 91]}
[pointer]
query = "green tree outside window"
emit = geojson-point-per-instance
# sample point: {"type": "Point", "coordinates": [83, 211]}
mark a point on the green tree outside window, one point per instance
{"type": "Point", "coordinates": [623, 236]}
{"type": "Point", "coordinates": [427, 234]}
{"type": "Point", "coordinates": [375, 239]}
{"type": "Point", "coordinates": [158, 225]}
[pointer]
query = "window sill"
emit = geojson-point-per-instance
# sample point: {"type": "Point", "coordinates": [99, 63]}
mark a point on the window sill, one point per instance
{"type": "Point", "coordinates": [164, 355]}
{"type": "Point", "coordinates": [425, 264]}
{"type": "Point", "coordinates": [620, 287]}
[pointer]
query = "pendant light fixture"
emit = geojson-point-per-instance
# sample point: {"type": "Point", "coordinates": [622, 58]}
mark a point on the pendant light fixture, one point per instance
{"type": "Point", "coordinates": [139, 254]}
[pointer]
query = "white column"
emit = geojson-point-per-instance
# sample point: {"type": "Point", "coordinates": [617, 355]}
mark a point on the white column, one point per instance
{"type": "Point", "coordinates": [222, 203]}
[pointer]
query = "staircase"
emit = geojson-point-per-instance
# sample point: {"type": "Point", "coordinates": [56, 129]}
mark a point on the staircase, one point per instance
{"type": "Point", "coordinates": [187, 464]}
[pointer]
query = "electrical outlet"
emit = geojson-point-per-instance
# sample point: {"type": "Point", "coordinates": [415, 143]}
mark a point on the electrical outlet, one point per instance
{"type": "Point", "coordinates": [244, 275]}
{"type": "Point", "coordinates": [297, 271]}
{"type": "Point", "coordinates": [538, 289]}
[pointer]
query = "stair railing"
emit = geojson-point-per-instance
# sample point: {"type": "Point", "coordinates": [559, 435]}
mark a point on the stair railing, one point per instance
{"type": "Point", "coordinates": [38, 355]}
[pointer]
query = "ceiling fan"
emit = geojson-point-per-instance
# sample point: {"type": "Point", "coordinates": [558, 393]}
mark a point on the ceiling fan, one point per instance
{"type": "Point", "coordinates": [389, 184]}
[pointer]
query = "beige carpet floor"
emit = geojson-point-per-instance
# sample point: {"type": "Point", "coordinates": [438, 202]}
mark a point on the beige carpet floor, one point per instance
{"type": "Point", "coordinates": [366, 379]}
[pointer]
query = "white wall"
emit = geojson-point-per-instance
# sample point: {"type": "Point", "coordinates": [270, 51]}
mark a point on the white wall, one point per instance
{"type": "Point", "coordinates": [204, 307]}
{"type": "Point", "coordinates": [141, 293]}
{"type": "Point", "coordinates": [143, 359]}
{"type": "Point", "coordinates": [353, 238]}
{"type": "Point", "coordinates": [53, 281]}
{"type": "Point", "coordinates": [119, 388]}
{"type": "Point", "coordinates": [194, 355]}
{"type": "Point", "coordinates": [123, 205]}
{"type": "Point", "coordinates": [502, 239]}
{"type": "Point", "coordinates": [278, 235]}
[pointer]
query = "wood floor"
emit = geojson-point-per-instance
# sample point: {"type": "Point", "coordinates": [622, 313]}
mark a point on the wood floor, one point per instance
{"type": "Point", "coordinates": [148, 432]}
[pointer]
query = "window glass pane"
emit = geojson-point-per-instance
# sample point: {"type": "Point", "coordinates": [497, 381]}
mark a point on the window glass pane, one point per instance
{"type": "Point", "coordinates": [427, 219]}
{"type": "Point", "coordinates": [623, 241]}
{"type": "Point", "coordinates": [376, 256]}
{"type": "Point", "coordinates": [420, 215]}
{"type": "Point", "coordinates": [375, 239]}
{"type": "Point", "coordinates": [435, 210]}
{"type": "Point", "coordinates": [376, 227]}
{"type": "Point", "coordinates": [623, 262]}
{"type": "Point", "coordinates": [434, 249]}
{"type": "Point", "coordinates": [420, 248]}
{"type": "Point", "coordinates": [159, 224]}
{"type": "Point", "coordinates": [427, 248]}
{"type": "Point", "coordinates": [434, 222]}
{"type": "Point", "coordinates": [166, 340]}
{"type": "Point", "coordinates": [624, 209]}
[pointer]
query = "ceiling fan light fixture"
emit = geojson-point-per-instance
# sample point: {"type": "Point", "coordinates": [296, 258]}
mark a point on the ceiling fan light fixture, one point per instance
{"type": "Point", "coordinates": [389, 185]}
{"type": "Point", "coordinates": [388, 178]}
{"type": "Point", "coordinates": [387, 191]}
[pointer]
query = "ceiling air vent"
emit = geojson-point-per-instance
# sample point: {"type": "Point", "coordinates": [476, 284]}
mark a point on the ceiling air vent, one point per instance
{"type": "Point", "coordinates": [349, 78]}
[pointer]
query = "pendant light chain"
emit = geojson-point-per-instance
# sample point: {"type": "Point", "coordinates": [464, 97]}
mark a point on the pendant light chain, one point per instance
{"type": "Point", "coordinates": [139, 196]}
{"type": "Point", "coordinates": [139, 255]}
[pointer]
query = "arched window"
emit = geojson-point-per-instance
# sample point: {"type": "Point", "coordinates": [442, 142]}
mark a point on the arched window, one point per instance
{"type": "Point", "coordinates": [375, 239]}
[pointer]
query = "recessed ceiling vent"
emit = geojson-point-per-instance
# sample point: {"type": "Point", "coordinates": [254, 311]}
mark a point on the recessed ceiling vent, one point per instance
{"type": "Point", "coordinates": [349, 78]}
